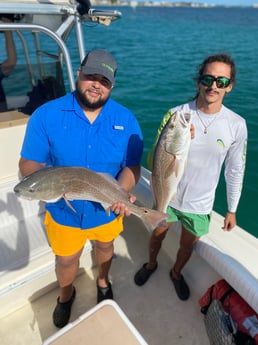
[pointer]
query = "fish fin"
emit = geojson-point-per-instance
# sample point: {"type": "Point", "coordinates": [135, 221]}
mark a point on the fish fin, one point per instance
{"type": "Point", "coordinates": [106, 207]}
{"type": "Point", "coordinates": [173, 197]}
{"type": "Point", "coordinates": [177, 166]}
{"type": "Point", "coordinates": [172, 168]}
{"type": "Point", "coordinates": [107, 210]}
{"type": "Point", "coordinates": [69, 204]}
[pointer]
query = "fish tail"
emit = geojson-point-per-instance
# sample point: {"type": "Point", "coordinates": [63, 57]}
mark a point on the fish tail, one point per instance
{"type": "Point", "coordinates": [153, 218]}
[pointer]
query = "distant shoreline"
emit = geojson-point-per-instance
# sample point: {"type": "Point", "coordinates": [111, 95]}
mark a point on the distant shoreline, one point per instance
{"type": "Point", "coordinates": [165, 4]}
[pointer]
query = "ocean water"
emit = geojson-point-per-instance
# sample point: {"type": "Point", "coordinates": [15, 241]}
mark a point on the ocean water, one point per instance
{"type": "Point", "coordinates": [158, 50]}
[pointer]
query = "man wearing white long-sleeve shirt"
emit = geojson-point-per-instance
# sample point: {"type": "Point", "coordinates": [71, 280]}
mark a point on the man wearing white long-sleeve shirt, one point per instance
{"type": "Point", "coordinates": [220, 135]}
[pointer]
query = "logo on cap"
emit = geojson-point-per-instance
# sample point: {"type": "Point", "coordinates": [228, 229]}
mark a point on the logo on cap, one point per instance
{"type": "Point", "coordinates": [108, 67]}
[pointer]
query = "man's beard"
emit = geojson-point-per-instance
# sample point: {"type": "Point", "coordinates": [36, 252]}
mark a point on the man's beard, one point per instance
{"type": "Point", "coordinates": [84, 101]}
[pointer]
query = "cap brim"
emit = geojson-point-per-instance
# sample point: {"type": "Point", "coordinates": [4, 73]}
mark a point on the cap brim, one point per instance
{"type": "Point", "coordinates": [104, 72]}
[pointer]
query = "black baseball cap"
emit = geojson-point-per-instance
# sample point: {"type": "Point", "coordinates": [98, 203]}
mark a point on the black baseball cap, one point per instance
{"type": "Point", "coordinates": [101, 62]}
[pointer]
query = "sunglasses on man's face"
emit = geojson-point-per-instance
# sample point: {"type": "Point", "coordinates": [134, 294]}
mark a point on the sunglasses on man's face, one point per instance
{"type": "Point", "coordinates": [221, 82]}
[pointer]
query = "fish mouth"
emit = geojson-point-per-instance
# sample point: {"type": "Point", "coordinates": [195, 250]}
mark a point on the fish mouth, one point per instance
{"type": "Point", "coordinates": [19, 193]}
{"type": "Point", "coordinates": [185, 119]}
{"type": "Point", "coordinates": [16, 190]}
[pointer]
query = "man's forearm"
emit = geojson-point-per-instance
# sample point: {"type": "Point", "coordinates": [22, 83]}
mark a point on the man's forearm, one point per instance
{"type": "Point", "coordinates": [28, 167]}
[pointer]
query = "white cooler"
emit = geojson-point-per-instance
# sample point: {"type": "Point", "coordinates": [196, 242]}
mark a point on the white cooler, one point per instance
{"type": "Point", "coordinates": [105, 324]}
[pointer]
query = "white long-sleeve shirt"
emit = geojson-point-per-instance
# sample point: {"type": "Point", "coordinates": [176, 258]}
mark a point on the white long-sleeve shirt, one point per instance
{"type": "Point", "coordinates": [225, 141]}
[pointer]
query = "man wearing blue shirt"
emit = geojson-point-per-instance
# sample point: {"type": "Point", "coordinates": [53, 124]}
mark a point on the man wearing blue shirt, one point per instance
{"type": "Point", "coordinates": [88, 129]}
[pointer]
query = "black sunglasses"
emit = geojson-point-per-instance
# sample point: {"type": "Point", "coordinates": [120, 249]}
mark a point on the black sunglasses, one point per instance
{"type": "Point", "coordinates": [221, 82]}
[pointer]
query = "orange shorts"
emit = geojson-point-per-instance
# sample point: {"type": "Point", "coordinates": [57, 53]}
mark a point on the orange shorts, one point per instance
{"type": "Point", "coordinates": [67, 240]}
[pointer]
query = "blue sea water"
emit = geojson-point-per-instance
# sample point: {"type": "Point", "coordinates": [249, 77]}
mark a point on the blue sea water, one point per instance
{"type": "Point", "coordinates": [158, 50]}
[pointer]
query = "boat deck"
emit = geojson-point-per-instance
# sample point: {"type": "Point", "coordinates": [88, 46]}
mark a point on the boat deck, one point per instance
{"type": "Point", "coordinates": [154, 309]}
{"type": "Point", "coordinates": [28, 288]}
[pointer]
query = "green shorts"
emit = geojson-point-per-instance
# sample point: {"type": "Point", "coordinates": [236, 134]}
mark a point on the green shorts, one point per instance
{"type": "Point", "coordinates": [197, 224]}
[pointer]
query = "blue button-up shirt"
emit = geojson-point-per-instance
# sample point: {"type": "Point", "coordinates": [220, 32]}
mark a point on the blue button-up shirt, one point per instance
{"type": "Point", "coordinates": [59, 134]}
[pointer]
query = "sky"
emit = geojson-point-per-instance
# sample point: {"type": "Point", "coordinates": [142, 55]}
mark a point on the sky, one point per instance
{"type": "Point", "coordinates": [220, 2]}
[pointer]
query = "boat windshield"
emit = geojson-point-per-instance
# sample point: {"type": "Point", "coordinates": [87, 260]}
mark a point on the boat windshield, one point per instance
{"type": "Point", "coordinates": [43, 69]}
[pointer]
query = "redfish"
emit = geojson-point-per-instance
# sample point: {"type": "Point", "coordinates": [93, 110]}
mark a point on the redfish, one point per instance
{"type": "Point", "coordinates": [170, 158]}
{"type": "Point", "coordinates": [76, 183]}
